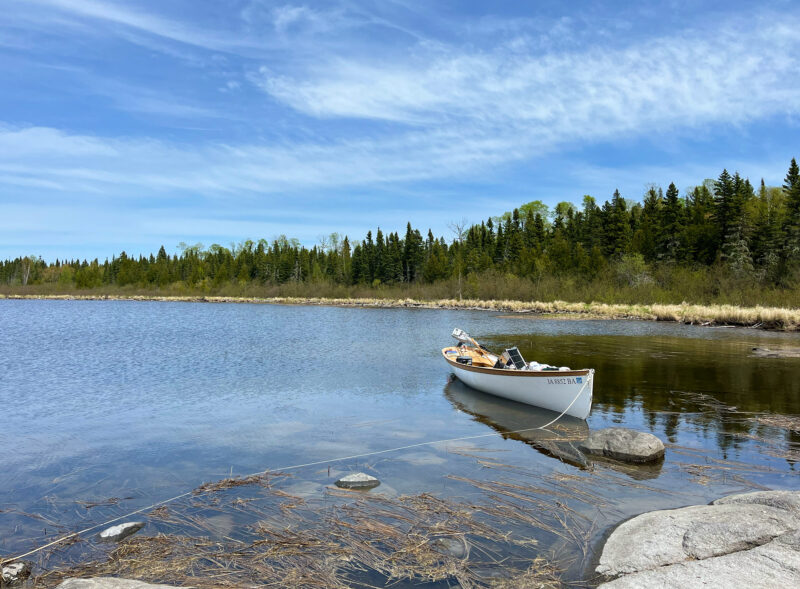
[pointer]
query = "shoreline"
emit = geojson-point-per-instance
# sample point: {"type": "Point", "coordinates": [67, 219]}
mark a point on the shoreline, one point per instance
{"type": "Point", "coordinates": [768, 318]}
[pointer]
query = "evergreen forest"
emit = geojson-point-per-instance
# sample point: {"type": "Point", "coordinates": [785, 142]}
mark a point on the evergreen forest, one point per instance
{"type": "Point", "coordinates": [724, 240]}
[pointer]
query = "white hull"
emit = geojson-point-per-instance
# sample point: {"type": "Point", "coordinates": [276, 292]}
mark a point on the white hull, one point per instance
{"type": "Point", "coordinates": [570, 393]}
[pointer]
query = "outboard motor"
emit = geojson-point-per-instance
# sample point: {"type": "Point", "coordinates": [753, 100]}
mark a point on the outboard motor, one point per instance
{"type": "Point", "coordinates": [463, 336]}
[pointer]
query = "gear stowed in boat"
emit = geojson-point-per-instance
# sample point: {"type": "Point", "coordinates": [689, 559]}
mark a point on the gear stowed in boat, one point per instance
{"type": "Point", "coordinates": [510, 376]}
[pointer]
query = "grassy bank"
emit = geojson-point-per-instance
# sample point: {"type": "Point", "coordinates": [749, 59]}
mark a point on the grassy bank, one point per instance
{"type": "Point", "coordinates": [778, 318]}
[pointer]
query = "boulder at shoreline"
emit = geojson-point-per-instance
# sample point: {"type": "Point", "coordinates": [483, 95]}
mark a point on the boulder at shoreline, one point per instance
{"type": "Point", "coordinates": [745, 540]}
{"type": "Point", "coordinates": [623, 444]}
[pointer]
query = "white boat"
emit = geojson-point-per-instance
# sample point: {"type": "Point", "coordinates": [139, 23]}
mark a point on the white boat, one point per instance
{"type": "Point", "coordinates": [565, 391]}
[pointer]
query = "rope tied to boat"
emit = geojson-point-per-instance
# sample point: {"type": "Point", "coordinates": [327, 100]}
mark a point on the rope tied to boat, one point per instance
{"type": "Point", "coordinates": [295, 467]}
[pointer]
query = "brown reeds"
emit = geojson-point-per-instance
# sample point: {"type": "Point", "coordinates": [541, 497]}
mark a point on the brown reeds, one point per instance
{"type": "Point", "coordinates": [352, 539]}
{"type": "Point", "coordinates": [778, 318]}
{"type": "Point", "coordinates": [788, 422]}
{"type": "Point", "coordinates": [363, 539]}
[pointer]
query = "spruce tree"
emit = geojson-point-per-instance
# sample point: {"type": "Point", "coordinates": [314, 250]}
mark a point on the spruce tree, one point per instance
{"type": "Point", "coordinates": [723, 200]}
{"type": "Point", "coordinates": [647, 236]}
{"type": "Point", "coordinates": [671, 225]}
{"type": "Point", "coordinates": [791, 223]}
{"type": "Point", "coordinates": [616, 226]}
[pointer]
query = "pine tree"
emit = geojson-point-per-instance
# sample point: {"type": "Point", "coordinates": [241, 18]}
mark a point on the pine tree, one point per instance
{"type": "Point", "coordinates": [647, 237]}
{"type": "Point", "coordinates": [791, 224]}
{"type": "Point", "coordinates": [723, 201]}
{"type": "Point", "coordinates": [671, 225]}
{"type": "Point", "coordinates": [413, 254]}
{"type": "Point", "coordinates": [616, 226]}
{"type": "Point", "coordinates": [591, 233]}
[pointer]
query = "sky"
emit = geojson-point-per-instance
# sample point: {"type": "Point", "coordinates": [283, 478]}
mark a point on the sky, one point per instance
{"type": "Point", "coordinates": [128, 125]}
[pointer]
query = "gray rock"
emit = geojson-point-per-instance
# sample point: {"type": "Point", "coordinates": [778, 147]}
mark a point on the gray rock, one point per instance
{"type": "Point", "coordinates": [788, 500]}
{"type": "Point", "coordinates": [120, 531]}
{"type": "Point", "coordinates": [623, 444]}
{"type": "Point", "coordinates": [358, 480]}
{"type": "Point", "coordinates": [107, 583]}
{"type": "Point", "coordinates": [672, 536]}
{"type": "Point", "coordinates": [14, 573]}
{"type": "Point", "coordinates": [457, 547]}
{"type": "Point", "coordinates": [775, 564]}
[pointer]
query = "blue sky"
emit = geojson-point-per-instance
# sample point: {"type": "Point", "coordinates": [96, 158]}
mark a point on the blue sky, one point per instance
{"type": "Point", "coordinates": [127, 125]}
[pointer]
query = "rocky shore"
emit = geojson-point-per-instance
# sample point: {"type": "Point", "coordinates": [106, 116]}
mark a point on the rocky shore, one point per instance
{"type": "Point", "coordinates": [746, 540]}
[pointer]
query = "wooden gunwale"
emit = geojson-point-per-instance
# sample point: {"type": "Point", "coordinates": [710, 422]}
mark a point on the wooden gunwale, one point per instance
{"type": "Point", "coordinates": [523, 373]}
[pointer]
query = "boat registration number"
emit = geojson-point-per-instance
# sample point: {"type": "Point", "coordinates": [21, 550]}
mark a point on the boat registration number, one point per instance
{"type": "Point", "coordinates": [566, 380]}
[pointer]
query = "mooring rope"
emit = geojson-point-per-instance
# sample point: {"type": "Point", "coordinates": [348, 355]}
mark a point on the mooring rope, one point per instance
{"type": "Point", "coordinates": [295, 467]}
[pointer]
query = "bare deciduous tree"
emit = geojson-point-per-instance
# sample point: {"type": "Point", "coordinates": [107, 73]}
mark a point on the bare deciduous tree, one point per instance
{"type": "Point", "coordinates": [26, 264]}
{"type": "Point", "coordinates": [459, 230]}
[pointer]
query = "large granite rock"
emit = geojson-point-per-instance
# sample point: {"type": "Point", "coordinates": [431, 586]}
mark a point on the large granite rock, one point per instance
{"type": "Point", "coordinates": [14, 573]}
{"type": "Point", "coordinates": [788, 500]}
{"type": "Point", "coordinates": [747, 540]}
{"type": "Point", "coordinates": [120, 531]}
{"type": "Point", "coordinates": [775, 564]}
{"type": "Point", "coordinates": [624, 444]}
{"type": "Point", "coordinates": [107, 583]}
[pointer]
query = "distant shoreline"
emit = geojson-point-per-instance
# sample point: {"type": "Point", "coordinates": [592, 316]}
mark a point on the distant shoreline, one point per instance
{"type": "Point", "coordinates": [772, 318]}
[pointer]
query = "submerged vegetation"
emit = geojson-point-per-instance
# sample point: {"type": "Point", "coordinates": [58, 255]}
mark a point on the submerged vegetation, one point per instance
{"type": "Point", "coordinates": [722, 242]}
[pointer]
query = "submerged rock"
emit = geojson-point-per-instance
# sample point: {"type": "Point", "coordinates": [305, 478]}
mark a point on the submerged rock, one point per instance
{"type": "Point", "coordinates": [120, 532]}
{"type": "Point", "coordinates": [457, 547]}
{"type": "Point", "coordinates": [747, 540]}
{"type": "Point", "coordinates": [14, 573]}
{"type": "Point", "coordinates": [780, 353]}
{"type": "Point", "coordinates": [624, 444]}
{"type": "Point", "coordinates": [358, 480]}
{"type": "Point", "coordinates": [107, 583]}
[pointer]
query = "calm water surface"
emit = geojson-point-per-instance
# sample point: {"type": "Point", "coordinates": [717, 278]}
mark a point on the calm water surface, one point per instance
{"type": "Point", "coordinates": [141, 401]}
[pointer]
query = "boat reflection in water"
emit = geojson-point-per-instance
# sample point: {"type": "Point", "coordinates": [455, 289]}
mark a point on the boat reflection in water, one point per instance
{"type": "Point", "coordinates": [560, 440]}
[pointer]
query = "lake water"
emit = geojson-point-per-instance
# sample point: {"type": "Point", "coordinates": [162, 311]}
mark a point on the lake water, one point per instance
{"type": "Point", "coordinates": [141, 401]}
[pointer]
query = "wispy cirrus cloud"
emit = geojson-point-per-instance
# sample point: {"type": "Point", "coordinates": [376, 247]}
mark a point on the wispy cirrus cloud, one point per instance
{"type": "Point", "coordinates": [684, 80]}
{"type": "Point", "coordinates": [262, 28]}
{"type": "Point", "coordinates": [143, 21]}
{"type": "Point", "coordinates": [79, 163]}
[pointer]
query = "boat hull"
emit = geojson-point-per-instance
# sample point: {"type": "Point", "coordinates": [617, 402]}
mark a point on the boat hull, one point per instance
{"type": "Point", "coordinates": [569, 392]}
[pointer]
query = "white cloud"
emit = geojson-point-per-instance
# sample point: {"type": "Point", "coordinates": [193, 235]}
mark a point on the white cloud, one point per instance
{"type": "Point", "coordinates": [734, 74]}
{"type": "Point", "coordinates": [230, 86]}
{"type": "Point", "coordinates": [145, 22]}
{"type": "Point", "coordinates": [285, 16]}
{"type": "Point", "coordinates": [126, 166]}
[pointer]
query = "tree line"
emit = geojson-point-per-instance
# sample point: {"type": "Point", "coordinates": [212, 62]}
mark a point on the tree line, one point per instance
{"type": "Point", "coordinates": [742, 231]}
